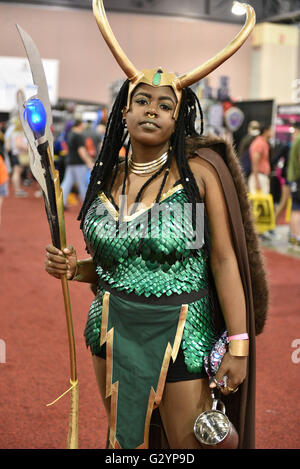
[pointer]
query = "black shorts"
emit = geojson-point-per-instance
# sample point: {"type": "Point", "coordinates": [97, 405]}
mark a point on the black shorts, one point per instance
{"type": "Point", "coordinates": [14, 160]}
{"type": "Point", "coordinates": [177, 371]}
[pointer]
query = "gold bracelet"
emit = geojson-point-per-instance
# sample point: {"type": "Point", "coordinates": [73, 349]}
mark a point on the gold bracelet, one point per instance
{"type": "Point", "coordinates": [76, 272]}
{"type": "Point", "coordinates": [80, 269]}
{"type": "Point", "coordinates": [239, 348]}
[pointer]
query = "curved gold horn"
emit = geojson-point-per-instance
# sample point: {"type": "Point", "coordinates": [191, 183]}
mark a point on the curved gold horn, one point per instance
{"type": "Point", "coordinates": [105, 29]}
{"type": "Point", "coordinates": [209, 66]}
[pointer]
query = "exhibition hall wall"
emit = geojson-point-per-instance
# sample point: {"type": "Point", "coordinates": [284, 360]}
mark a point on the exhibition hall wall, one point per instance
{"type": "Point", "coordinates": [87, 68]}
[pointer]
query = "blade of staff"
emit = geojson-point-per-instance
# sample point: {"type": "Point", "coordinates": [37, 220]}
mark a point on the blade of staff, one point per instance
{"type": "Point", "coordinates": [36, 119]}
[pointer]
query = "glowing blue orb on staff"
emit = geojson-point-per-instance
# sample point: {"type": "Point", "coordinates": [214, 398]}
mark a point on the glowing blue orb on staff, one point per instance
{"type": "Point", "coordinates": [36, 116]}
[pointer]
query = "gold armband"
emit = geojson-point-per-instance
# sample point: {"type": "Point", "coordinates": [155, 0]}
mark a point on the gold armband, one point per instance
{"type": "Point", "coordinates": [81, 267]}
{"type": "Point", "coordinates": [239, 348]}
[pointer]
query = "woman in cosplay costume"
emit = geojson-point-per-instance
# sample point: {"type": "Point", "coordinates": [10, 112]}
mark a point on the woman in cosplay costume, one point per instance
{"type": "Point", "coordinates": [174, 258]}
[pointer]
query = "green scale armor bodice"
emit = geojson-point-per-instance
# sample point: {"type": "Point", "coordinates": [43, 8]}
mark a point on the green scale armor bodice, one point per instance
{"type": "Point", "coordinates": [149, 255]}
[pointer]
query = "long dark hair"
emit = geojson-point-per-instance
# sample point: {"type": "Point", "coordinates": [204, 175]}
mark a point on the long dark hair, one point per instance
{"type": "Point", "coordinates": [107, 163]}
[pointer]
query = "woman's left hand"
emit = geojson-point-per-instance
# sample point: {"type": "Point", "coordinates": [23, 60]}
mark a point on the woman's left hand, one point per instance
{"type": "Point", "coordinates": [235, 369]}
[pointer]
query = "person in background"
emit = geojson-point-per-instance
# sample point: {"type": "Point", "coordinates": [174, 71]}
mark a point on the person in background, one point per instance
{"type": "Point", "coordinates": [243, 150]}
{"type": "Point", "coordinates": [78, 162]}
{"type": "Point", "coordinates": [16, 147]}
{"type": "Point", "coordinates": [259, 150]}
{"type": "Point", "coordinates": [60, 149]}
{"type": "Point", "coordinates": [93, 139]}
{"type": "Point", "coordinates": [279, 186]}
{"type": "Point", "coordinates": [3, 181]}
{"type": "Point", "coordinates": [293, 176]}
{"type": "Point", "coordinates": [101, 129]}
{"type": "Point", "coordinates": [2, 138]}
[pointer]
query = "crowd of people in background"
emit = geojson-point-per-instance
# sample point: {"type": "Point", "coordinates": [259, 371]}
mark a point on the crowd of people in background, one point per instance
{"type": "Point", "coordinates": [272, 169]}
{"type": "Point", "coordinates": [75, 149]}
{"type": "Point", "coordinates": [293, 177]}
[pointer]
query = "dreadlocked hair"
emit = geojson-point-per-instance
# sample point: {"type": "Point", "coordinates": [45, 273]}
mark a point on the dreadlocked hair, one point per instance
{"type": "Point", "coordinates": [185, 128]}
{"type": "Point", "coordinates": [108, 159]}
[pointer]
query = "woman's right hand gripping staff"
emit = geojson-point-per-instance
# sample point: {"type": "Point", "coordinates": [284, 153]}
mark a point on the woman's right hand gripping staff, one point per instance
{"type": "Point", "coordinates": [65, 262]}
{"type": "Point", "coordinates": [59, 262]}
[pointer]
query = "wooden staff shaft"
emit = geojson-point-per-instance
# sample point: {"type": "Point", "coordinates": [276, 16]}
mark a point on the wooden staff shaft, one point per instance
{"type": "Point", "coordinates": [64, 281]}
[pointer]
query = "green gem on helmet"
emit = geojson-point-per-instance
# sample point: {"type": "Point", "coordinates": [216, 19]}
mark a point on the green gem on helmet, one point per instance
{"type": "Point", "coordinates": [157, 77]}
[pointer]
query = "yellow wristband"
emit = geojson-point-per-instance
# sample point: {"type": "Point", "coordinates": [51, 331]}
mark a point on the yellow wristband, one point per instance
{"type": "Point", "coordinates": [239, 348]}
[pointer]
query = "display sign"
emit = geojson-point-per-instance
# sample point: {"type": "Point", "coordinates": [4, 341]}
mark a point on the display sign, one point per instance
{"type": "Point", "coordinates": [15, 74]}
{"type": "Point", "coordinates": [262, 206]}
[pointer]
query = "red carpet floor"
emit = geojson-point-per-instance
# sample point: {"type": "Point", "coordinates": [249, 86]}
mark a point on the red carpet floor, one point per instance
{"type": "Point", "coordinates": [36, 368]}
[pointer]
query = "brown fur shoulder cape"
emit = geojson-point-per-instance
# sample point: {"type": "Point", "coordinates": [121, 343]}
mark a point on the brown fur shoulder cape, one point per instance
{"type": "Point", "coordinates": [240, 407]}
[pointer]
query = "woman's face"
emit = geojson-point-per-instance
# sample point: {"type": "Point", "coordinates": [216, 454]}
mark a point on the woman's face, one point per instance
{"type": "Point", "coordinates": [150, 116]}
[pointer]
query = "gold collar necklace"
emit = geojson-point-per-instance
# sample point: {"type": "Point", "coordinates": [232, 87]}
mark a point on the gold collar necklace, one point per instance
{"type": "Point", "coordinates": [147, 168]}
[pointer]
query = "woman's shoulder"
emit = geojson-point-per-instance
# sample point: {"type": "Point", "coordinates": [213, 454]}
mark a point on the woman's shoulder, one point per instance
{"type": "Point", "coordinates": [201, 152]}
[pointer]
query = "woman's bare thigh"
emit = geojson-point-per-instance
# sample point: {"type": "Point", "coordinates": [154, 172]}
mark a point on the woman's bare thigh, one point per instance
{"type": "Point", "coordinates": [181, 404]}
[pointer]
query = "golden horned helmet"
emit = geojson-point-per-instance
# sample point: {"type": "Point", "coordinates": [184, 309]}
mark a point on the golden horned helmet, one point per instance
{"type": "Point", "coordinates": [158, 77]}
